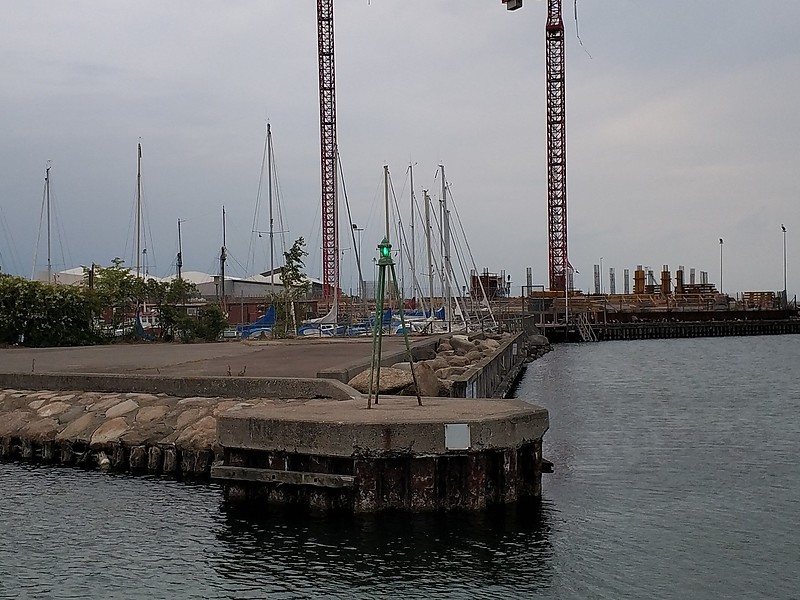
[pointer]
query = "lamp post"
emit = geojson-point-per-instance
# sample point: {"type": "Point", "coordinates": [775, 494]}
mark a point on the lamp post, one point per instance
{"type": "Point", "coordinates": [785, 297]}
{"type": "Point", "coordinates": [720, 265]}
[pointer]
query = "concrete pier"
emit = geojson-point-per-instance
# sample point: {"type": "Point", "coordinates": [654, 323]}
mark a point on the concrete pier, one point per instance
{"type": "Point", "coordinates": [196, 411]}
{"type": "Point", "coordinates": [447, 454]}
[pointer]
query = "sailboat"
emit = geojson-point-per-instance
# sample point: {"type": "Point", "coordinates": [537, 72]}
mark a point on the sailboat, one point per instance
{"type": "Point", "coordinates": [46, 217]}
{"type": "Point", "coordinates": [263, 326]}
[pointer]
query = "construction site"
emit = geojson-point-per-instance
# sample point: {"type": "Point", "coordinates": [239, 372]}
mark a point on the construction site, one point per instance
{"type": "Point", "coordinates": [562, 312]}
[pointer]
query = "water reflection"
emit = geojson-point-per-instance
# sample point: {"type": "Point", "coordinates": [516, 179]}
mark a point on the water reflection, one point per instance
{"type": "Point", "coordinates": [458, 553]}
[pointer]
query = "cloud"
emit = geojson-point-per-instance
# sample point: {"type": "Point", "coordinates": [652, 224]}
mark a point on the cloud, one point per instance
{"type": "Point", "coordinates": [681, 127]}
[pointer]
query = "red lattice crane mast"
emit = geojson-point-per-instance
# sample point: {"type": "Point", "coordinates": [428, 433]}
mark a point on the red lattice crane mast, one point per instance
{"type": "Point", "coordinates": [327, 132]}
{"type": "Point", "coordinates": [556, 148]}
{"type": "Point", "coordinates": [328, 148]}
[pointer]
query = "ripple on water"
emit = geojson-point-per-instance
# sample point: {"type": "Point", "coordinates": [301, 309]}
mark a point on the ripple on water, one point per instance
{"type": "Point", "coordinates": [676, 477]}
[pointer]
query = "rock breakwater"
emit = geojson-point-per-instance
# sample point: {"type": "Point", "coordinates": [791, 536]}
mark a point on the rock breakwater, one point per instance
{"type": "Point", "coordinates": [155, 433]}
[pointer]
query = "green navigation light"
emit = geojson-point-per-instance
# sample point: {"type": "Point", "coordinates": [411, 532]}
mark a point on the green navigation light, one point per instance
{"type": "Point", "coordinates": [385, 249]}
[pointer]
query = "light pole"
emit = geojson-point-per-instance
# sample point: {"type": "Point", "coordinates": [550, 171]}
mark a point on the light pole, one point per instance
{"type": "Point", "coordinates": [720, 265]}
{"type": "Point", "coordinates": [785, 297]}
{"type": "Point", "coordinates": [601, 275]}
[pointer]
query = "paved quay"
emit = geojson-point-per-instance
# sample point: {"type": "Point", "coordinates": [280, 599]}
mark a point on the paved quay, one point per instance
{"type": "Point", "coordinates": [285, 358]}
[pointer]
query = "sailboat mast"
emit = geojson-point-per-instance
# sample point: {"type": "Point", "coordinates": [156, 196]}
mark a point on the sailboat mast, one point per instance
{"type": "Point", "coordinates": [271, 220]}
{"type": "Point", "coordinates": [138, 208]}
{"type": "Point", "coordinates": [179, 258]}
{"type": "Point", "coordinates": [386, 196]}
{"type": "Point", "coordinates": [47, 200]}
{"type": "Point", "coordinates": [428, 243]}
{"type": "Point", "coordinates": [386, 205]}
{"type": "Point", "coordinates": [445, 247]}
{"type": "Point", "coordinates": [413, 247]}
{"type": "Point", "coordinates": [222, 257]}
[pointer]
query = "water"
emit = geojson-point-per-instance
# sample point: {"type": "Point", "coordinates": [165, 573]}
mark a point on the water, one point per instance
{"type": "Point", "coordinates": [676, 477]}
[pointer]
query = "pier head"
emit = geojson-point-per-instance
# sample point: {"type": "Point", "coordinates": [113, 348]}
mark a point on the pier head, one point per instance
{"type": "Point", "coordinates": [448, 453]}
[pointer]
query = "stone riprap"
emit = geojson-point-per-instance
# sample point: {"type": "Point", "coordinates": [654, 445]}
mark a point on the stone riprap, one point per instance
{"type": "Point", "coordinates": [454, 356]}
{"type": "Point", "coordinates": [124, 431]}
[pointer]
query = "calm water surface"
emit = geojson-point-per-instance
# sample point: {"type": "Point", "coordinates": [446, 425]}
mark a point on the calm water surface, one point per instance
{"type": "Point", "coordinates": [676, 477]}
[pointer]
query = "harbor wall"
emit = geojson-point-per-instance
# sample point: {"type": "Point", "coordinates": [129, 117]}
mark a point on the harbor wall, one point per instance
{"type": "Point", "coordinates": [693, 329]}
{"type": "Point", "coordinates": [181, 387]}
{"type": "Point", "coordinates": [494, 376]}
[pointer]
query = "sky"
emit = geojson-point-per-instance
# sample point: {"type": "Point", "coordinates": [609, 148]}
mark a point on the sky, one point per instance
{"type": "Point", "coordinates": [682, 128]}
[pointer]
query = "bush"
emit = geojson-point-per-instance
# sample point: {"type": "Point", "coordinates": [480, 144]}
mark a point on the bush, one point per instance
{"type": "Point", "coordinates": [35, 313]}
{"type": "Point", "coordinates": [211, 322]}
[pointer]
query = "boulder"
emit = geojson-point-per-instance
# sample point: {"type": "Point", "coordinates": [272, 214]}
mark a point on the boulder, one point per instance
{"type": "Point", "coordinates": [109, 431]}
{"type": "Point", "coordinates": [41, 430]}
{"type": "Point", "coordinates": [52, 409]}
{"type": "Point", "coordinates": [437, 363]}
{"type": "Point", "coordinates": [424, 353]}
{"type": "Point", "coordinates": [391, 381]}
{"type": "Point", "coordinates": [445, 388]}
{"type": "Point", "coordinates": [81, 429]}
{"type": "Point", "coordinates": [123, 408]}
{"type": "Point", "coordinates": [539, 340]}
{"type": "Point", "coordinates": [150, 414]}
{"type": "Point", "coordinates": [427, 382]}
{"type": "Point", "coordinates": [449, 372]}
{"type": "Point", "coordinates": [474, 356]}
{"type": "Point", "coordinates": [462, 342]}
{"type": "Point", "coordinates": [457, 361]}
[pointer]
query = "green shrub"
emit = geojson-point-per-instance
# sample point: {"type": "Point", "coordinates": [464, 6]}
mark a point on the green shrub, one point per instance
{"type": "Point", "coordinates": [34, 313]}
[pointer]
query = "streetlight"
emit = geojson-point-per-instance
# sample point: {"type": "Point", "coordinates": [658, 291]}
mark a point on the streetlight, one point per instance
{"type": "Point", "coordinates": [720, 265]}
{"type": "Point", "coordinates": [785, 298]}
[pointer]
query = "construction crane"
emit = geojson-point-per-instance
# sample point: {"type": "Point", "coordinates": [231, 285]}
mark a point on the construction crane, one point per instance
{"type": "Point", "coordinates": [556, 149]}
{"type": "Point", "coordinates": [328, 145]}
{"type": "Point", "coordinates": [328, 148]}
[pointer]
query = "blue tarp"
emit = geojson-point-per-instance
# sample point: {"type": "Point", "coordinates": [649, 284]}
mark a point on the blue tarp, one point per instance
{"type": "Point", "coordinates": [264, 323]}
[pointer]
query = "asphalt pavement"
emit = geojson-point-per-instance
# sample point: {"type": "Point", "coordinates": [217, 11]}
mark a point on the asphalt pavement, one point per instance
{"type": "Point", "coordinates": [281, 358]}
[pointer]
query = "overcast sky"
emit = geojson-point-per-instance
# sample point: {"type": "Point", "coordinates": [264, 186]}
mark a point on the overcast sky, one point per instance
{"type": "Point", "coordinates": [681, 117]}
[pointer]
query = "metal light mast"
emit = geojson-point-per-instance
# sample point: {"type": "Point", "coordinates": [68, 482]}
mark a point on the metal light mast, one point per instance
{"type": "Point", "coordinates": [327, 128]}
{"type": "Point", "coordinates": [556, 148]}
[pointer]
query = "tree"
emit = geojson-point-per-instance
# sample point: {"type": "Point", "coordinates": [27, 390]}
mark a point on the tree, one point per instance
{"type": "Point", "coordinates": [295, 282]}
{"type": "Point", "coordinates": [211, 323]}
{"type": "Point", "coordinates": [115, 289]}
{"type": "Point", "coordinates": [175, 323]}
{"type": "Point", "coordinates": [116, 292]}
